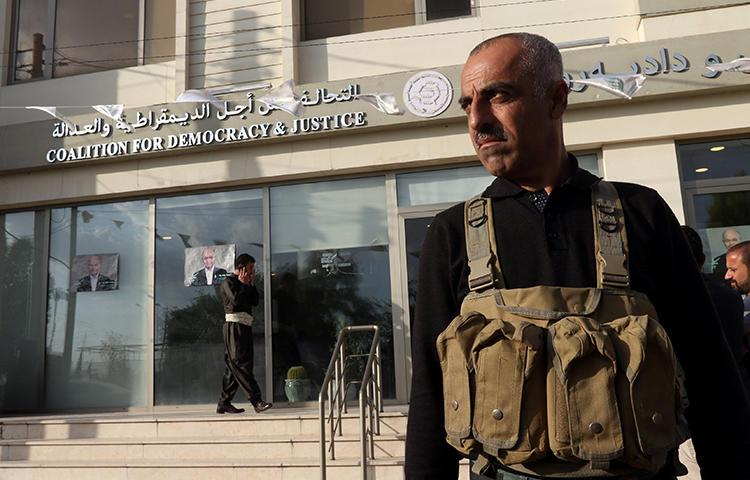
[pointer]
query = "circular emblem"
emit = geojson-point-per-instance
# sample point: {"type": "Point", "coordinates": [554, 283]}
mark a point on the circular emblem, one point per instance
{"type": "Point", "coordinates": [428, 94]}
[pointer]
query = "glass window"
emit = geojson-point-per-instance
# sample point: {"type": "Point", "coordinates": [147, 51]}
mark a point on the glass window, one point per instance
{"type": "Point", "coordinates": [30, 39]}
{"type": "Point", "coordinates": [437, 9]}
{"type": "Point", "coordinates": [457, 184]}
{"type": "Point", "coordinates": [722, 219]}
{"type": "Point", "coordinates": [441, 186]}
{"type": "Point", "coordinates": [589, 162]}
{"type": "Point", "coordinates": [189, 358]}
{"type": "Point", "coordinates": [21, 337]}
{"type": "Point", "coordinates": [90, 36]}
{"type": "Point", "coordinates": [329, 264]}
{"type": "Point", "coordinates": [715, 159]}
{"type": "Point", "coordinates": [415, 231]}
{"type": "Point", "coordinates": [331, 18]}
{"type": "Point", "coordinates": [97, 323]}
{"type": "Point", "coordinates": [160, 30]}
{"type": "Point", "coordinates": [95, 36]}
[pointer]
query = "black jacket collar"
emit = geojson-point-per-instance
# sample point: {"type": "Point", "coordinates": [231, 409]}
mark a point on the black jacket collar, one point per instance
{"type": "Point", "coordinates": [580, 179]}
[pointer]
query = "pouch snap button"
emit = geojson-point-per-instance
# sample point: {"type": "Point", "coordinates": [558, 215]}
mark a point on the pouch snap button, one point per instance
{"type": "Point", "coordinates": [497, 414]}
{"type": "Point", "coordinates": [596, 428]}
{"type": "Point", "coordinates": [657, 418]}
{"type": "Point", "coordinates": [454, 404]}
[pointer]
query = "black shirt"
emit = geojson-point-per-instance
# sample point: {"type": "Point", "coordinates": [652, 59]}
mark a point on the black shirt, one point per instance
{"type": "Point", "coordinates": [556, 247]}
{"type": "Point", "coordinates": [237, 296]}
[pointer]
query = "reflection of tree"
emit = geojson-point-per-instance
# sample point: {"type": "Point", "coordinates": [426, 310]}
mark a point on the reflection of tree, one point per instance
{"type": "Point", "coordinates": [199, 322]}
{"type": "Point", "coordinates": [312, 308]}
{"type": "Point", "coordinates": [729, 209]}
{"type": "Point", "coordinates": [15, 295]}
{"type": "Point", "coordinates": [115, 351]}
{"type": "Point", "coordinates": [189, 359]}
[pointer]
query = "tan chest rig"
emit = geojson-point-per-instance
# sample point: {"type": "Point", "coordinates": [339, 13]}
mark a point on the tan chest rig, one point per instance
{"type": "Point", "coordinates": [557, 381]}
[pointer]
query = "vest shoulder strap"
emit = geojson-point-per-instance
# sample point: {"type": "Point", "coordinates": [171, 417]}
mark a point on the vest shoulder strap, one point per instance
{"type": "Point", "coordinates": [610, 238]}
{"type": "Point", "coordinates": [481, 248]}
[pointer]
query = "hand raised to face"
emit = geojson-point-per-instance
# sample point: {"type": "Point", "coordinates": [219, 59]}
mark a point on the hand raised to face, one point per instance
{"type": "Point", "coordinates": [246, 274]}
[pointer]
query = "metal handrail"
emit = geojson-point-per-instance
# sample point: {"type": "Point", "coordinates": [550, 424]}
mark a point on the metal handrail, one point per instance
{"type": "Point", "coordinates": [370, 398]}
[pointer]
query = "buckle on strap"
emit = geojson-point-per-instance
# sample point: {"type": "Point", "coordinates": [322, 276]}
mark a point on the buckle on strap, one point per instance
{"type": "Point", "coordinates": [482, 273]}
{"type": "Point", "coordinates": [613, 269]}
{"type": "Point", "coordinates": [476, 213]}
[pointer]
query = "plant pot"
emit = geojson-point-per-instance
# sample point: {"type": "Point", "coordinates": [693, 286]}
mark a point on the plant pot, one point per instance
{"type": "Point", "coordinates": [297, 390]}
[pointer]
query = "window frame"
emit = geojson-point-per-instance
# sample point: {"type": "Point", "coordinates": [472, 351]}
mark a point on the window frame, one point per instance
{"type": "Point", "coordinates": [420, 18]}
{"type": "Point", "coordinates": [691, 188]}
{"type": "Point", "coordinates": [48, 72]}
{"type": "Point", "coordinates": [420, 7]}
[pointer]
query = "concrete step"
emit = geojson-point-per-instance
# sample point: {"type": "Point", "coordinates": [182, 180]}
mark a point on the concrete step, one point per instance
{"type": "Point", "coordinates": [193, 448]}
{"type": "Point", "coordinates": [281, 444]}
{"type": "Point", "coordinates": [228, 469]}
{"type": "Point", "coordinates": [183, 425]}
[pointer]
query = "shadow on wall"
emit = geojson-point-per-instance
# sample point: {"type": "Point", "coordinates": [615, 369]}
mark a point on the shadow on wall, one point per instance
{"type": "Point", "coordinates": [234, 46]}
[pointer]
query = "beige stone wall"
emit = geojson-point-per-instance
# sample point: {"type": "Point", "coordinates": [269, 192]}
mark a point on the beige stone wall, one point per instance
{"type": "Point", "coordinates": [695, 23]}
{"type": "Point", "coordinates": [134, 86]}
{"type": "Point", "coordinates": [233, 42]}
{"type": "Point", "coordinates": [636, 141]}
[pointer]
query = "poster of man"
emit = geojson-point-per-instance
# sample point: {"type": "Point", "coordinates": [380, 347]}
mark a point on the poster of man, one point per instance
{"type": "Point", "coordinates": [97, 272]}
{"type": "Point", "coordinates": [208, 265]}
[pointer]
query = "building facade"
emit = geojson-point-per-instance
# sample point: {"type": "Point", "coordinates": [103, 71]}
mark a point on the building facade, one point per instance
{"type": "Point", "coordinates": [333, 202]}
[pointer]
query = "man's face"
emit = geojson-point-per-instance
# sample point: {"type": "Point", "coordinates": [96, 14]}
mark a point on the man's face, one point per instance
{"type": "Point", "coordinates": [208, 259]}
{"type": "Point", "coordinates": [730, 238]}
{"type": "Point", "coordinates": [93, 266]}
{"type": "Point", "coordinates": [738, 274]}
{"type": "Point", "coordinates": [510, 126]}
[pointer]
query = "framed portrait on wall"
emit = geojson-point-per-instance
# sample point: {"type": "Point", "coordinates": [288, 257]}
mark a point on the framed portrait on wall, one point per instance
{"type": "Point", "coordinates": [208, 264]}
{"type": "Point", "coordinates": [95, 272]}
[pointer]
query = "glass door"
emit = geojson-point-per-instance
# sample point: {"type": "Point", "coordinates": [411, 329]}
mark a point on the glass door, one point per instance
{"type": "Point", "coordinates": [413, 229]}
{"type": "Point", "coordinates": [722, 216]}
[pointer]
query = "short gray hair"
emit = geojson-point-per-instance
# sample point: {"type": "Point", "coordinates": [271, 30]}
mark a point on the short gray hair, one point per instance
{"type": "Point", "coordinates": [540, 58]}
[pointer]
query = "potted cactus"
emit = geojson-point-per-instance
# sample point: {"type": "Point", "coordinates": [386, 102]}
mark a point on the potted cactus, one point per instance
{"type": "Point", "coordinates": [297, 386]}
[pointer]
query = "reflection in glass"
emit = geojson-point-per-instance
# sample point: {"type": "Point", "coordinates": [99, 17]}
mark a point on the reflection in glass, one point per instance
{"type": "Point", "coordinates": [453, 185]}
{"type": "Point", "coordinates": [437, 9]}
{"type": "Point", "coordinates": [31, 38]}
{"type": "Point", "coordinates": [189, 356]}
{"type": "Point", "coordinates": [441, 186]}
{"type": "Point", "coordinates": [95, 36]}
{"type": "Point", "coordinates": [715, 159]}
{"type": "Point", "coordinates": [330, 269]}
{"type": "Point", "coordinates": [21, 339]}
{"type": "Point", "coordinates": [589, 162]}
{"type": "Point", "coordinates": [330, 18]}
{"type": "Point", "coordinates": [98, 342]}
{"type": "Point", "coordinates": [415, 231]}
{"type": "Point", "coordinates": [722, 219]}
{"type": "Point", "coordinates": [160, 31]}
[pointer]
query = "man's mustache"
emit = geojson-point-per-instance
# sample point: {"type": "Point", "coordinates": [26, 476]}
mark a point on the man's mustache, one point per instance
{"type": "Point", "coordinates": [487, 133]}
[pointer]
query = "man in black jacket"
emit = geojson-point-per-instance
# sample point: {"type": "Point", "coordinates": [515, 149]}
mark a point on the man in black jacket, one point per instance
{"type": "Point", "coordinates": [239, 295]}
{"type": "Point", "coordinates": [209, 274]}
{"type": "Point", "coordinates": [95, 281]}
{"type": "Point", "coordinates": [514, 97]}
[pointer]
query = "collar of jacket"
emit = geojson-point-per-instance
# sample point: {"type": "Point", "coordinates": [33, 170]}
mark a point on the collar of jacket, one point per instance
{"type": "Point", "coordinates": [502, 187]}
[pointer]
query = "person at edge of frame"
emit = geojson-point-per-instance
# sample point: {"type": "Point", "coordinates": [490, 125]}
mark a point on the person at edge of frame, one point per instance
{"type": "Point", "coordinates": [738, 277]}
{"type": "Point", "coordinates": [514, 97]}
{"type": "Point", "coordinates": [239, 295]}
